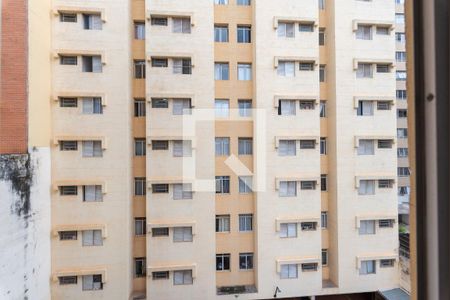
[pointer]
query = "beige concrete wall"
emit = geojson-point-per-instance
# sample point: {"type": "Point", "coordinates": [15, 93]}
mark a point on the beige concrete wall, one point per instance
{"type": "Point", "coordinates": [114, 127]}
{"type": "Point", "coordinates": [163, 252]}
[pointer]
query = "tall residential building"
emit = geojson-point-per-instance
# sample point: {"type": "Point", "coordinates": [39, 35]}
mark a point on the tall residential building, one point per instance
{"type": "Point", "coordinates": [217, 149]}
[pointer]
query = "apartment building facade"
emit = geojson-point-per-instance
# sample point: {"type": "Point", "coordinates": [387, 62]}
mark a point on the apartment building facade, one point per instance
{"type": "Point", "coordinates": [221, 148]}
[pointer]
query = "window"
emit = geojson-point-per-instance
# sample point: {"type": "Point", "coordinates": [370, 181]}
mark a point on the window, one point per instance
{"type": "Point", "coordinates": [160, 275]}
{"type": "Point", "coordinates": [244, 71]}
{"type": "Point", "coordinates": [92, 282]}
{"type": "Point", "coordinates": [92, 149]}
{"type": "Point", "coordinates": [402, 113]}
{"type": "Point", "coordinates": [323, 183]}
{"type": "Point", "coordinates": [287, 148]}
{"type": "Point", "coordinates": [245, 184]}
{"type": "Point", "coordinates": [158, 21]}
{"type": "Point", "coordinates": [139, 186]}
{"type": "Point", "coordinates": [160, 188]}
{"type": "Point", "coordinates": [400, 56]}
{"type": "Point", "coordinates": [288, 230]}
{"type": "Point", "coordinates": [243, 2]}
{"type": "Point", "coordinates": [286, 29]}
{"type": "Point", "coordinates": [67, 235]}
{"type": "Point", "coordinates": [68, 102]}
{"type": "Point", "coordinates": [221, 2]}
{"type": "Point", "coordinates": [385, 144]}
{"type": "Point", "coordinates": [385, 183]}
{"type": "Point", "coordinates": [383, 68]}
{"type": "Point", "coordinates": [289, 271]}
{"type": "Point", "coordinates": [367, 227]}
{"type": "Point", "coordinates": [400, 75]}
{"type": "Point", "coordinates": [222, 146]}
{"type": "Point", "coordinates": [324, 257]}
{"type": "Point", "coordinates": [306, 66]}
{"type": "Point", "coordinates": [160, 231]}
{"type": "Point", "coordinates": [182, 191]}
{"type": "Point", "coordinates": [92, 237]}
{"type": "Point", "coordinates": [244, 33]}
{"type": "Point", "coordinates": [245, 108]}
{"type": "Point", "coordinates": [307, 267]}
{"type": "Point", "coordinates": [367, 267]}
{"type": "Point", "coordinates": [181, 25]}
{"type": "Point", "coordinates": [68, 190]}
{"type": "Point", "coordinates": [286, 108]}
{"type": "Point", "coordinates": [92, 193]}
{"type": "Point", "coordinates": [92, 63]}
{"type": "Point", "coordinates": [324, 219]}
{"type": "Point", "coordinates": [387, 263]}
{"type": "Point", "coordinates": [245, 222]}
{"type": "Point", "coordinates": [182, 234]}
{"type": "Point", "coordinates": [321, 36]}
{"type": "Point", "coordinates": [140, 226]}
{"type": "Point", "coordinates": [307, 104]}
{"type": "Point", "coordinates": [92, 21]}
{"type": "Point", "coordinates": [68, 17]}
{"type": "Point", "coordinates": [182, 66]}
{"type": "Point", "coordinates": [323, 109]}
{"type": "Point", "coordinates": [182, 277]}
{"type": "Point", "coordinates": [364, 70]}
{"type": "Point", "coordinates": [140, 268]}
{"type": "Point", "coordinates": [401, 94]}
{"type": "Point", "coordinates": [322, 4]}
{"type": "Point", "coordinates": [366, 147]}
{"type": "Point", "coordinates": [366, 187]}
{"type": "Point", "coordinates": [383, 30]}
{"type": "Point", "coordinates": [223, 223]}
{"type": "Point", "coordinates": [307, 144]}
{"type": "Point", "coordinates": [139, 69]}
{"type": "Point", "coordinates": [402, 133]}
{"type": "Point", "coordinates": [159, 62]}
{"type": "Point", "coordinates": [221, 33]}
{"type": "Point", "coordinates": [286, 68]}
{"type": "Point", "coordinates": [403, 171]}
{"type": "Point", "coordinates": [139, 107]}
{"type": "Point", "coordinates": [402, 152]}
{"type": "Point", "coordinates": [139, 30]}
{"type": "Point", "coordinates": [221, 71]}
{"type": "Point", "coordinates": [306, 27]}
{"type": "Point", "coordinates": [160, 103]}
{"type": "Point", "coordinates": [403, 190]}
{"type": "Point", "coordinates": [383, 105]}
{"type": "Point", "coordinates": [322, 73]}
{"type": "Point", "coordinates": [222, 262]}
{"type": "Point", "coordinates": [245, 261]}
{"type": "Point", "coordinates": [400, 37]}
{"type": "Point", "coordinates": [308, 185]}
{"type": "Point", "coordinates": [92, 105]}
{"type": "Point", "coordinates": [68, 60]}
{"type": "Point", "coordinates": [68, 145]}
{"type": "Point", "coordinates": [160, 145]}
{"type": "Point", "coordinates": [387, 223]}
{"type": "Point", "coordinates": [139, 147]}
{"type": "Point", "coordinates": [308, 226]}
{"type": "Point", "coordinates": [245, 146]}
{"type": "Point", "coordinates": [323, 145]}
{"type": "Point", "coordinates": [222, 108]}
{"type": "Point", "coordinates": [181, 107]}
{"type": "Point", "coordinates": [67, 280]}
{"type": "Point", "coordinates": [365, 108]}
{"type": "Point", "coordinates": [364, 32]}
{"type": "Point", "coordinates": [222, 184]}
{"type": "Point", "coordinates": [288, 189]}
{"type": "Point", "coordinates": [182, 148]}
{"type": "Point", "coordinates": [400, 18]}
